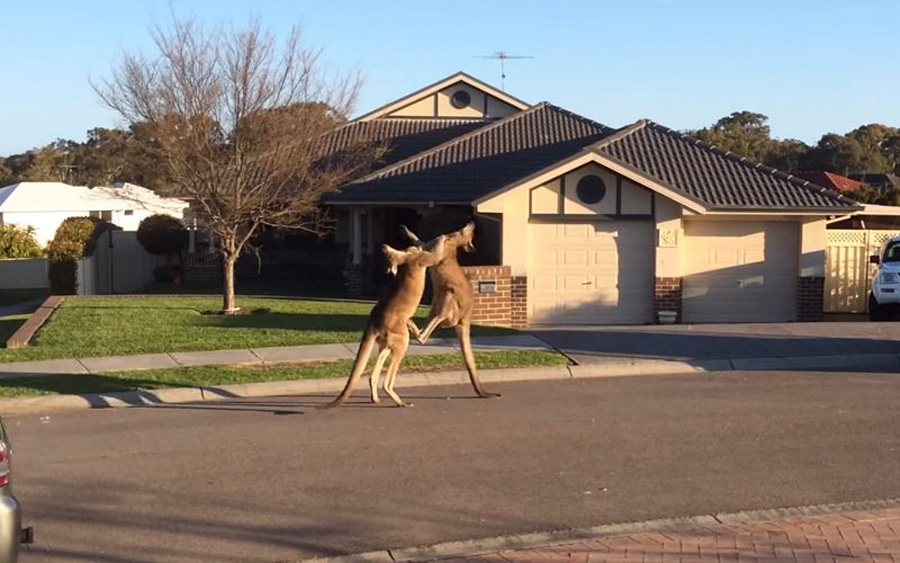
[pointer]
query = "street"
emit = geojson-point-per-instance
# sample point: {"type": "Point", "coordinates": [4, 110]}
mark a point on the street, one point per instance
{"type": "Point", "coordinates": [274, 480]}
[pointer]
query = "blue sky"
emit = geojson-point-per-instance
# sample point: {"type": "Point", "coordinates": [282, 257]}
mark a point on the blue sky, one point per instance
{"type": "Point", "coordinates": [812, 66]}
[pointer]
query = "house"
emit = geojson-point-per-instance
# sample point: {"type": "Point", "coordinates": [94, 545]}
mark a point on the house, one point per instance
{"type": "Point", "coordinates": [44, 205]}
{"type": "Point", "coordinates": [886, 182]}
{"type": "Point", "coordinates": [829, 180]}
{"type": "Point", "coordinates": [580, 223]}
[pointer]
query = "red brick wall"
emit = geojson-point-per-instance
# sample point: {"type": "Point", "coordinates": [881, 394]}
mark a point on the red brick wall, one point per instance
{"type": "Point", "coordinates": [491, 308]}
{"type": "Point", "coordinates": [667, 296]}
{"type": "Point", "coordinates": [519, 298]}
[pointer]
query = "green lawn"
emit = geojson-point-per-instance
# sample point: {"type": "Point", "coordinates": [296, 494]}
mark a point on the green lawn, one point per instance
{"type": "Point", "coordinates": [101, 326]}
{"type": "Point", "coordinates": [221, 375]}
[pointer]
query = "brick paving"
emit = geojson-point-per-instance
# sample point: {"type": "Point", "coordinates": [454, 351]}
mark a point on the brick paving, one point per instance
{"type": "Point", "coordinates": [858, 536]}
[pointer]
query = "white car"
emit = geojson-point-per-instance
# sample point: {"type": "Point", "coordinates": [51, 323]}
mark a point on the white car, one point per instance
{"type": "Point", "coordinates": [885, 295]}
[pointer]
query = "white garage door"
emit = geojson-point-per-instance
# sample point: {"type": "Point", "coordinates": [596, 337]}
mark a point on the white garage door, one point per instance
{"type": "Point", "coordinates": [740, 271]}
{"type": "Point", "coordinates": [591, 273]}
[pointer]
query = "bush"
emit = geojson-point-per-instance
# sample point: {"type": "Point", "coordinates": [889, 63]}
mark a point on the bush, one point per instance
{"type": "Point", "coordinates": [75, 237]}
{"type": "Point", "coordinates": [162, 234]}
{"type": "Point", "coordinates": [18, 242]}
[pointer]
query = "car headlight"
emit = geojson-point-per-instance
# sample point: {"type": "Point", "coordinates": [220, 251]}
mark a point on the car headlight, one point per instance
{"type": "Point", "coordinates": [888, 278]}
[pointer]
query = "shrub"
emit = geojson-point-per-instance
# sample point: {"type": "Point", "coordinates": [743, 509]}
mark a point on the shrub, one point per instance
{"type": "Point", "coordinates": [18, 242]}
{"type": "Point", "coordinates": [162, 234]}
{"type": "Point", "coordinates": [75, 237]}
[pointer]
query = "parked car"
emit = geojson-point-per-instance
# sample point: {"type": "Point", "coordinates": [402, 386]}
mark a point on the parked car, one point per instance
{"type": "Point", "coordinates": [11, 531]}
{"type": "Point", "coordinates": [885, 295]}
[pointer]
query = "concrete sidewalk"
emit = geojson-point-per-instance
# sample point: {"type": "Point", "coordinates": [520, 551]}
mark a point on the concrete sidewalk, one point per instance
{"type": "Point", "coordinates": [861, 531]}
{"type": "Point", "coordinates": [252, 356]}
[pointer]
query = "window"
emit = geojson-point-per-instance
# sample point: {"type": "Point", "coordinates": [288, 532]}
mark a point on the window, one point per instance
{"type": "Point", "coordinates": [892, 253]}
{"type": "Point", "coordinates": [460, 99]}
{"type": "Point", "coordinates": [590, 189]}
{"type": "Point", "coordinates": [95, 214]}
{"type": "Point", "coordinates": [129, 212]}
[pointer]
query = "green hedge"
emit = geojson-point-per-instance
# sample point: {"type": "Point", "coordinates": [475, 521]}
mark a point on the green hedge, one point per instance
{"type": "Point", "coordinates": [75, 238]}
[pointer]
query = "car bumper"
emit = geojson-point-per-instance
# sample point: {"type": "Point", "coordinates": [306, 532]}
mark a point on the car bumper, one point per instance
{"type": "Point", "coordinates": [10, 528]}
{"type": "Point", "coordinates": [887, 295]}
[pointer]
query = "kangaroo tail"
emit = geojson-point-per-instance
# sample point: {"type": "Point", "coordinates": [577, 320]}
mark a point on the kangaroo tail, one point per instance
{"type": "Point", "coordinates": [359, 365]}
{"type": "Point", "coordinates": [465, 344]}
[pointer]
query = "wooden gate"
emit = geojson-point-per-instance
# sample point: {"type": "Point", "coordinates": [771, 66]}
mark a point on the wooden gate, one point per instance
{"type": "Point", "coordinates": [848, 273]}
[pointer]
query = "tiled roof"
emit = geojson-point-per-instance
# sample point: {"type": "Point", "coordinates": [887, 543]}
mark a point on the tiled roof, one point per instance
{"type": "Point", "coordinates": [716, 178]}
{"type": "Point", "coordinates": [482, 161]}
{"type": "Point", "coordinates": [403, 137]}
{"type": "Point", "coordinates": [828, 180]}
{"type": "Point", "coordinates": [880, 180]}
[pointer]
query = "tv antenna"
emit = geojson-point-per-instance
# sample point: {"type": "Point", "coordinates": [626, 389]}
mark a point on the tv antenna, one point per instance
{"type": "Point", "coordinates": [503, 56]}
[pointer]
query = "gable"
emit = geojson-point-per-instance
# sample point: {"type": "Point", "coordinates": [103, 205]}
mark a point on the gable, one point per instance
{"type": "Point", "coordinates": [457, 97]}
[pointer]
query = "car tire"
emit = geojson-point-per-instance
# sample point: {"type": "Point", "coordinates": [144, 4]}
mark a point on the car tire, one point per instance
{"type": "Point", "coordinates": [876, 312]}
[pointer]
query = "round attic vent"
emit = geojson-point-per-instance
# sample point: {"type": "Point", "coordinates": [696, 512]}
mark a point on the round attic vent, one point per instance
{"type": "Point", "coordinates": [590, 189]}
{"type": "Point", "coordinates": [460, 99]}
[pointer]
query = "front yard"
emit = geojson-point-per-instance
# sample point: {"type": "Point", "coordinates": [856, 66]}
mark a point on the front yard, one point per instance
{"type": "Point", "coordinates": [110, 326]}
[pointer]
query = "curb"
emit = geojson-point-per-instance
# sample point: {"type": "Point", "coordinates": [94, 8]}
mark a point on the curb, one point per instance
{"type": "Point", "coordinates": [627, 368]}
{"type": "Point", "coordinates": [545, 539]}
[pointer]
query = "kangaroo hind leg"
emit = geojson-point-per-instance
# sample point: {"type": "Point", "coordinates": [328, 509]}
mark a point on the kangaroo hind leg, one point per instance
{"type": "Point", "coordinates": [376, 373]}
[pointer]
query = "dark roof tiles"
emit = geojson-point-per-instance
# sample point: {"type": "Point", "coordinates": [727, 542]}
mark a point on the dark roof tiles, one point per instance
{"type": "Point", "coordinates": [716, 178]}
{"type": "Point", "coordinates": [482, 161]}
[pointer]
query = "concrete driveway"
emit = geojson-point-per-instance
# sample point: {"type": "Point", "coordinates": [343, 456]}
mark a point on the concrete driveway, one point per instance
{"type": "Point", "coordinates": [593, 344]}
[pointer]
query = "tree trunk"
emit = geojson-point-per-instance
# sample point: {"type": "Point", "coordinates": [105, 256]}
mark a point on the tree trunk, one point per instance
{"type": "Point", "coordinates": [228, 304]}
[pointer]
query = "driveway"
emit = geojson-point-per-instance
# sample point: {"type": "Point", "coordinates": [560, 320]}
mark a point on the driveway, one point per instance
{"type": "Point", "coordinates": [233, 482]}
{"type": "Point", "coordinates": [592, 344]}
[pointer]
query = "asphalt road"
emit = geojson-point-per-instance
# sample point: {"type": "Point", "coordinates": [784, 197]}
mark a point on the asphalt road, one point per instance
{"type": "Point", "coordinates": [254, 482]}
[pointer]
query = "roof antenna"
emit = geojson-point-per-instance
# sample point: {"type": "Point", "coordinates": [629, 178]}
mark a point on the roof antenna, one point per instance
{"type": "Point", "coordinates": [503, 56]}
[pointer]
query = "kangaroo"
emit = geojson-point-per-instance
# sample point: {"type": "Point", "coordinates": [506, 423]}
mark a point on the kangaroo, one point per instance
{"type": "Point", "coordinates": [453, 299]}
{"type": "Point", "coordinates": [390, 321]}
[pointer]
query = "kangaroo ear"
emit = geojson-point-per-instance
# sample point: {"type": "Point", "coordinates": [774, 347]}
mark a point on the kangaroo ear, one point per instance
{"type": "Point", "coordinates": [394, 258]}
{"type": "Point", "coordinates": [411, 235]}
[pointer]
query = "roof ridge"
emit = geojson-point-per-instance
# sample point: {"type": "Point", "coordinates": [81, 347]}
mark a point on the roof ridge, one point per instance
{"type": "Point", "coordinates": [619, 133]}
{"type": "Point", "coordinates": [748, 163]}
{"type": "Point", "coordinates": [454, 141]}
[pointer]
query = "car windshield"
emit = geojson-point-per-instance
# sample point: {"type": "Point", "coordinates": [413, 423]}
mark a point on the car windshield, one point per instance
{"type": "Point", "coordinates": [892, 252]}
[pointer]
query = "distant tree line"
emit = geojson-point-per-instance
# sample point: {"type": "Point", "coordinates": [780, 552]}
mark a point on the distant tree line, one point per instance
{"type": "Point", "coordinates": [873, 148]}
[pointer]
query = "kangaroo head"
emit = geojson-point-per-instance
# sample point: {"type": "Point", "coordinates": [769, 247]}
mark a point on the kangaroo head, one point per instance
{"type": "Point", "coordinates": [457, 239]}
{"type": "Point", "coordinates": [415, 256]}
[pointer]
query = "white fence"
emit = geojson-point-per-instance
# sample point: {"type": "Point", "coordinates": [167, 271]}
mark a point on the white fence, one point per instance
{"type": "Point", "coordinates": [848, 273]}
{"type": "Point", "coordinates": [25, 273]}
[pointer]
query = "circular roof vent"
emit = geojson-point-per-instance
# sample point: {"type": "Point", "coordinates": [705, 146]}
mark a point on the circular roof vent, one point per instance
{"type": "Point", "coordinates": [460, 99]}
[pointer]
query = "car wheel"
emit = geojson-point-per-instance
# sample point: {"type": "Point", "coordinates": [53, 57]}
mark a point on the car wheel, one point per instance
{"type": "Point", "coordinates": [876, 312]}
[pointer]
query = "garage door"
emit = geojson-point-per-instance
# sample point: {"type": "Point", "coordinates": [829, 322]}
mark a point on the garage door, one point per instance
{"type": "Point", "coordinates": [740, 271]}
{"type": "Point", "coordinates": [591, 273]}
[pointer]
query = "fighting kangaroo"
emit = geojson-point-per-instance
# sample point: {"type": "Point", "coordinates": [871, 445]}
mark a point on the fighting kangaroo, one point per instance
{"type": "Point", "coordinates": [453, 299]}
{"type": "Point", "coordinates": [390, 321]}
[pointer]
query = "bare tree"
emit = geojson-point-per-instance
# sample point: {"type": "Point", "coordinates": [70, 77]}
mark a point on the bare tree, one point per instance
{"type": "Point", "coordinates": [239, 119]}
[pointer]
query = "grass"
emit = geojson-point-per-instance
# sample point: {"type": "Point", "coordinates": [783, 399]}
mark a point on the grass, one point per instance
{"type": "Point", "coordinates": [13, 296]}
{"type": "Point", "coordinates": [222, 375]}
{"type": "Point", "coordinates": [104, 326]}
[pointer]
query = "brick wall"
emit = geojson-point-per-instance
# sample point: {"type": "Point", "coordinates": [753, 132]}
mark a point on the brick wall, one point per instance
{"type": "Point", "coordinates": [810, 299]}
{"type": "Point", "coordinates": [202, 267]}
{"type": "Point", "coordinates": [353, 279]}
{"type": "Point", "coordinates": [667, 296]}
{"type": "Point", "coordinates": [491, 307]}
{"type": "Point", "coordinates": [519, 298]}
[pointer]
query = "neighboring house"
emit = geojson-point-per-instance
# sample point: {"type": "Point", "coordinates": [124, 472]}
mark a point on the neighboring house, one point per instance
{"type": "Point", "coordinates": [887, 182]}
{"type": "Point", "coordinates": [44, 205]}
{"type": "Point", "coordinates": [583, 224]}
{"type": "Point", "coordinates": [829, 180]}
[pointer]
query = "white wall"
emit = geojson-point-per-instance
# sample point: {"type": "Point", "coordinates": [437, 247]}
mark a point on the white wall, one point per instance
{"type": "Point", "coordinates": [25, 273]}
{"type": "Point", "coordinates": [46, 223]}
